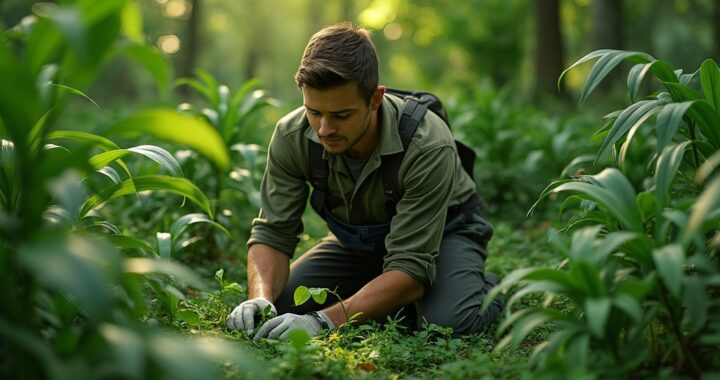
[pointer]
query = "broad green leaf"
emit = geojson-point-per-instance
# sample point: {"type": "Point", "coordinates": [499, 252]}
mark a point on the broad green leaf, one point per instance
{"type": "Point", "coordinates": [164, 244]}
{"type": "Point", "coordinates": [604, 65]}
{"type": "Point", "coordinates": [299, 338]}
{"type": "Point", "coordinates": [181, 223]}
{"type": "Point", "coordinates": [629, 305]}
{"type": "Point", "coordinates": [526, 325]}
{"type": "Point", "coordinates": [635, 114]}
{"type": "Point", "coordinates": [589, 276]}
{"type": "Point", "coordinates": [301, 295]}
{"type": "Point", "coordinates": [707, 168]}
{"type": "Point", "coordinates": [547, 287]}
{"type": "Point", "coordinates": [195, 84]}
{"type": "Point", "coordinates": [190, 317]}
{"type": "Point", "coordinates": [110, 173]}
{"type": "Point", "coordinates": [696, 303]}
{"type": "Point", "coordinates": [182, 273]}
{"type": "Point", "coordinates": [179, 359]}
{"type": "Point", "coordinates": [630, 135]}
{"type": "Point", "coordinates": [710, 81]}
{"type": "Point", "coordinates": [80, 268]}
{"type": "Point", "coordinates": [319, 295]}
{"type": "Point", "coordinates": [87, 138]}
{"type": "Point", "coordinates": [583, 241]}
{"type": "Point", "coordinates": [132, 22]}
{"type": "Point", "coordinates": [179, 186]}
{"type": "Point", "coordinates": [643, 58]}
{"type": "Point", "coordinates": [647, 205]}
{"type": "Point", "coordinates": [509, 280]}
{"type": "Point", "coordinates": [128, 242]}
{"type": "Point", "coordinates": [669, 261]}
{"type": "Point", "coordinates": [667, 166]}
{"type": "Point", "coordinates": [706, 204]}
{"type": "Point", "coordinates": [611, 243]}
{"type": "Point", "coordinates": [669, 121]}
{"type": "Point", "coordinates": [127, 347]}
{"type": "Point", "coordinates": [211, 85]}
{"type": "Point", "coordinates": [635, 78]}
{"type": "Point", "coordinates": [172, 126]}
{"type": "Point", "coordinates": [222, 351]}
{"type": "Point", "coordinates": [681, 93]}
{"type": "Point", "coordinates": [708, 120]}
{"type": "Point", "coordinates": [596, 315]}
{"type": "Point", "coordinates": [161, 156]}
{"type": "Point", "coordinates": [155, 153]}
{"type": "Point", "coordinates": [613, 191]}
{"type": "Point", "coordinates": [152, 60]}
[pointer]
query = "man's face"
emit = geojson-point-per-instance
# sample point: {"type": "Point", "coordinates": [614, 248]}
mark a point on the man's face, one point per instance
{"type": "Point", "coordinates": [343, 121]}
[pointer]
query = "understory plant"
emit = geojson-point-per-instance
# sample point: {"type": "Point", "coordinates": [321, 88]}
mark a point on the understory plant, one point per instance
{"type": "Point", "coordinates": [73, 284]}
{"type": "Point", "coordinates": [637, 293]}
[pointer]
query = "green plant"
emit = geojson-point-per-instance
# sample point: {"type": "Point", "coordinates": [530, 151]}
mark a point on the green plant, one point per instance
{"type": "Point", "coordinates": [72, 286]}
{"type": "Point", "coordinates": [518, 147]}
{"type": "Point", "coordinates": [639, 276]}
{"type": "Point", "coordinates": [236, 188]}
{"type": "Point", "coordinates": [303, 294]}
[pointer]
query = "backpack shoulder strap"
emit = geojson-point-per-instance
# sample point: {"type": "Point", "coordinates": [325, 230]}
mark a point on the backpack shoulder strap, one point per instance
{"type": "Point", "coordinates": [413, 113]}
{"type": "Point", "coordinates": [318, 176]}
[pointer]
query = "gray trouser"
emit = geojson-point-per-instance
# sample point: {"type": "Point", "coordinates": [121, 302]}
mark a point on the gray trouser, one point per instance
{"type": "Point", "coordinates": [454, 300]}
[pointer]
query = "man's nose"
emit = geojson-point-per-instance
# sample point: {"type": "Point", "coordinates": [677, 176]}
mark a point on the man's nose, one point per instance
{"type": "Point", "coordinates": [326, 129]}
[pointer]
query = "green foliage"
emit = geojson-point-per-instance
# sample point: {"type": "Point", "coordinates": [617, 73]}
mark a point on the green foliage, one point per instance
{"type": "Point", "coordinates": [235, 186]}
{"type": "Point", "coordinates": [641, 265]}
{"type": "Point", "coordinates": [73, 284]}
{"type": "Point", "coordinates": [518, 147]}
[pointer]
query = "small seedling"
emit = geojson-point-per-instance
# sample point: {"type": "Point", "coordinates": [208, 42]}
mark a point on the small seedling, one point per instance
{"type": "Point", "coordinates": [303, 294]}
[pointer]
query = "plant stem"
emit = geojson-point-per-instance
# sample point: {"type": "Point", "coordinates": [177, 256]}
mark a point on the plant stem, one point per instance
{"type": "Point", "coordinates": [342, 305]}
{"type": "Point", "coordinates": [675, 321]}
{"type": "Point", "coordinates": [696, 155]}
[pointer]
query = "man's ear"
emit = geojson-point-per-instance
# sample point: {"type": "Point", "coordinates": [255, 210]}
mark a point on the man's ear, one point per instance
{"type": "Point", "coordinates": [377, 98]}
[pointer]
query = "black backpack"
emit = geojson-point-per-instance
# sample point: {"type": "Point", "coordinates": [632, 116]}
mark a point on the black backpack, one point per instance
{"type": "Point", "coordinates": [417, 103]}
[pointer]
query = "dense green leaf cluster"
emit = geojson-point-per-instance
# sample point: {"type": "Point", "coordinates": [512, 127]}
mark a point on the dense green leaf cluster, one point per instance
{"type": "Point", "coordinates": [74, 284]}
{"type": "Point", "coordinates": [641, 267]}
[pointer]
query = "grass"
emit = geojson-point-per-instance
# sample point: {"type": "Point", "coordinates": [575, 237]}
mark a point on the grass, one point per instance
{"type": "Point", "coordinates": [375, 350]}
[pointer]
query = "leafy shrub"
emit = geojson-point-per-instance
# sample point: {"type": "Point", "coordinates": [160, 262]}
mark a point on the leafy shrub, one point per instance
{"type": "Point", "coordinates": [518, 147]}
{"type": "Point", "coordinates": [73, 285]}
{"type": "Point", "coordinates": [641, 266]}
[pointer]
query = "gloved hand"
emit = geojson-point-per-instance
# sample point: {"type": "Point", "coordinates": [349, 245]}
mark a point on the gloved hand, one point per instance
{"type": "Point", "coordinates": [280, 326]}
{"type": "Point", "coordinates": [243, 316]}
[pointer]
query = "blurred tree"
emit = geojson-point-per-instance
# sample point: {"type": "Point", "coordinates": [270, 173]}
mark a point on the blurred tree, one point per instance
{"type": "Point", "coordinates": [607, 24]}
{"type": "Point", "coordinates": [192, 43]}
{"type": "Point", "coordinates": [716, 22]}
{"type": "Point", "coordinates": [548, 47]}
{"type": "Point", "coordinates": [607, 33]}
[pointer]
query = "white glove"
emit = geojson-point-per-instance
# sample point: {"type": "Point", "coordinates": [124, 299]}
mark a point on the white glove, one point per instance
{"type": "Point", "coordinates": [280, 326]}
{"type": "Point", "coordinates": [243, 316]}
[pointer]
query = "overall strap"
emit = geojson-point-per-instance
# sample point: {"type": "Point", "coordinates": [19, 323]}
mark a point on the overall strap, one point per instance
{"type": "Point", "coordinates": [318, 176]}
{"type": "Point", "coordinates": [413, 113]}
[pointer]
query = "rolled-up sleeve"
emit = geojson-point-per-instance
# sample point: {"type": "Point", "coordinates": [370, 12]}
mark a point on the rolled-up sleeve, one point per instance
{"type": "Point", "coordinates": [283, 196]}
{"type": "Point", "coordinates": [416, 230]}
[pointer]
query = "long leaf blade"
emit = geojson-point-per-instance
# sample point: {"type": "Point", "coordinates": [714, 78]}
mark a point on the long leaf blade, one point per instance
{"type": "Point", "coordinates": [180, 186]}
{"type": "Point", "coordinates": [172, 126]}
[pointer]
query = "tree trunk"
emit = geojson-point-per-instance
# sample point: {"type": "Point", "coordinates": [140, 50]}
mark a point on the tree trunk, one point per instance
{"type": "Point", "coordinates": [192, 39]}
{"type": "Point", "coordinates": [548, 47]}
{"type": "Point", "coordinates": [607, 24]}
{"type": "Point", "coordinates": [716, 22]}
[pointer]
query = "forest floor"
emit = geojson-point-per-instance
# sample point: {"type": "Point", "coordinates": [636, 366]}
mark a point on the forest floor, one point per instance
{"type": "Point", "coordinates": [387, 350]}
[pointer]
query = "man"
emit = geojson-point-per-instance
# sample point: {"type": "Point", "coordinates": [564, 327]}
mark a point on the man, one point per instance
{"type": "Point", "coordinates": [429, 255]}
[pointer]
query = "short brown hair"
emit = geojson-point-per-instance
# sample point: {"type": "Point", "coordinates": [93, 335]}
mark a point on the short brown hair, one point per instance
{"type": "Point", "coordinates": [338, 55]}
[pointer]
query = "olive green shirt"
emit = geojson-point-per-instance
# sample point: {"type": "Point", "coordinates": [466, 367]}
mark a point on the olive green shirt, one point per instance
{"type": "Point", "coordinates": [430, 176]}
